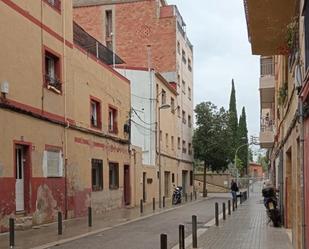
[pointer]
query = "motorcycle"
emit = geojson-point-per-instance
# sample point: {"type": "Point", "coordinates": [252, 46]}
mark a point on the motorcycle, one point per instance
{"type": "Point", "coordinates": [271, 204]}
{"type": "Point", "coordinates": [177, 195]}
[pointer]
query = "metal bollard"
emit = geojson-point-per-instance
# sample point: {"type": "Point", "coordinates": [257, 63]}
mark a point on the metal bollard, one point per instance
{"type": "Point", "coordinates": [163, 241]}
{"type": "Point", "coordinates": [59, 223]}
{"type": "Point", "coordinates": [194, 231]}
{"type": "Point", "coordinates": [181, 237]}
{"type": "Point", "coordinates": [191, 196]}
{"type": "Point", "coordinates": [153, 204]}
{"type": "Point", "coordinates": [236, 203]}
{"type": "Point", "coordinates": [223, 210]}
{"type": "Point", "coordinates": [229, 207]}
{"type": "Point", "coordinates": [12, 232]}
{"type": "Point", "coordinates": [217, 213]}
{"type": "Point", "coordinates": [89, 217]}
{"type": "Point", "coordinates": [233, 205]}
{"type": "Point", "coordinates": [141, 206]}
{"type": "Point", "coordinates": [186, 197]}
{"type": "Point", "coordinates": [195, 195]}
{"type": "Point", "coordinates": [163, 201]}
{"type": "Point", "coordinates": [241, 197]}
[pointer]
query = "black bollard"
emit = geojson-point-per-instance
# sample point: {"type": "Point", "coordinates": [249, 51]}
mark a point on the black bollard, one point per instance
{"type": "Point", "coordinates": [195, 195]}
{"type": "Point", "coordinates": [236, 204]}
{"type": "Point", "coordinates": [163, 241]}
{"type": "Point", "coordinates": [241, 197]}
{"type": "Point", "coordinates": [163, 201]}
{"type": "Point", "coordinates": [59, 223]}
{"type": "Point", "coordinates": [217, 213]}
{"type": "Point", "coordinates": [12, 232]}
{"type": "Point", "coordinates": [229, 207]}
{"type": "Point", "coordinates": [233, 205]}
{"type": "Point", "coordinates": [89, 217]}
{"type": "Point", "coordinates": [194, 231]}
{"type": "Point", "coordinates": [153, 204]}
{"type": "Point", "coordinates": [223, 210]}
{"type": "Point", "coordinates": [191, 196]}
{"type": "Point", "coordinates": [141, 206]}
{"type": "Point", "coordinates": [181, 237]}
{"type": "Point", "coordinates": [186, 197]}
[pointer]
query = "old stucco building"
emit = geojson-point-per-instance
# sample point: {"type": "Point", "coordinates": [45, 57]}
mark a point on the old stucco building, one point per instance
{"type": "Point", "coordinates": [150, 37]}
{"type": "Point", "coordinates": [63, 117]}
{"type": "Point", "coordinates": [282, 41]}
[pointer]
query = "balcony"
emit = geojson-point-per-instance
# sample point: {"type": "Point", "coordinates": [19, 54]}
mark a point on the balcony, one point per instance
{"type": "Point", "coordinates": [267, 82]}
{"type": "Point", "coordinates": [267, 23]}
{"type": "Point", "coordinates": [267, 133]}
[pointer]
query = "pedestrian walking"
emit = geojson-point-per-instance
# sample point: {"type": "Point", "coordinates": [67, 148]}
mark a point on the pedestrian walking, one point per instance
{"type": "Point", "coordinates": [234, 190]}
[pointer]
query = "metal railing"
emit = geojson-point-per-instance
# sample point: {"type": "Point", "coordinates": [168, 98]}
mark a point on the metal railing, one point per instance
{"type": "Point", "coordinates": [266, 124]}
{"type": "Point", "coordinates": [267, 67]}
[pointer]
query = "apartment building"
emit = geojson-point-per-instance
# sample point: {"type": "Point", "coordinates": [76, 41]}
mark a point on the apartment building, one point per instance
{"type": "Point", "coordinates": [282, 41]}
{"type": "Point", "coordinates": [64, 115]}
{"type": "Point", "coordinates": [149, 34]}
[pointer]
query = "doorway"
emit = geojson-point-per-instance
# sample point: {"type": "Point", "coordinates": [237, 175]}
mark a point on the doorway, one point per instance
{"type": "Point", "coordinates": [127, 187]}
{"type": "Point", "coordinates": [167, 184]}
{"type": "Point", "coordinates": [22, 177]}
{"type": "Point", "coordinates": [184, 181]}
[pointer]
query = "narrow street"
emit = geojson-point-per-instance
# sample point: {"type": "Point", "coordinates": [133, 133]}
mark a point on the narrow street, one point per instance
{"type": "Point", "coordinates": [144, 234]}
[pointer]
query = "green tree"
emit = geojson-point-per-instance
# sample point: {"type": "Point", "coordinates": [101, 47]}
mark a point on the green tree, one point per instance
{"type": "Point", "coordinates": [209, 140]}
{"type": "Point", "coordinates": [264, 161]}
{"type": "Point", "coordinates": [250, 155]}
{"type": "Point", "coordinates": [233, 123]}
{"type": "Point", "coordinates": [243, 139]}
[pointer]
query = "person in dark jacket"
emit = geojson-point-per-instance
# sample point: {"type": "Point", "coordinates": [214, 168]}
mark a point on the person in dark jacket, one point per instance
{"type": "Point", "coordinates": [234, 189]}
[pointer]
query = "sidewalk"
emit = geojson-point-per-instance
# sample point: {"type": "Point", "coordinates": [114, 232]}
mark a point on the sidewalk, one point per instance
{"type": "Point", "coordinates": [76, 228]}
{"type": "Point", "coordinates": [246, 228]}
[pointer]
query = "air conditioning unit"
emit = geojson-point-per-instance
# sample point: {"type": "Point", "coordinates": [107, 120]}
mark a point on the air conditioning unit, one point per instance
{"type": "Point", "coordinates": [4, 87]}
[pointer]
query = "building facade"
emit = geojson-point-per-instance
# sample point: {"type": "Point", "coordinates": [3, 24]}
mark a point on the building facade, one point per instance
{"type": "Point", "coordinates": [149, 34]}
{"type": "Point", "coordinates": [63, 117]}
{"type": "Point", "coordinates": [282, 42]}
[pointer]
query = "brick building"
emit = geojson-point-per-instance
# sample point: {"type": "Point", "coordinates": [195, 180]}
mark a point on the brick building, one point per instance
{"type": "Point", "coordinates": [62, 115]}
{"type": "Point", "coordinates": [150, 34]}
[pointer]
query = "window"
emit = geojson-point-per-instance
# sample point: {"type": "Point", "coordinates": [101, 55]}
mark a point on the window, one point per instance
{"type": "Point", "coordinates": [189, 65]}
{"type": "Point", "coordinates": [184, 59]}
{"type": "Point", "coordinates": [166, 140]}
{"type": "Point", "coordinates": [112, 120]}
{"type": "Point", "coordinates": [163, 97]}
{"type": "Point", "coordinates": [113, 175]}
{"type": "Point", "coordinates": [189, 121]}
{"type": "Point", "coordinates": [109, 23]}
{"type": "Point", "coordinates": [183, 86]}
{"type": "Point", "coordinates": [172, 142]}
{"type": "Point", "coordinates": [56, 4]}
{"type": "Point", "coordinates": [178, 111]}
{"type": "Point", "coordinates": [97, 174]}
{"type": "Point", "coordinates": [52, 70]}
{"type": "Point", "coordinates": [53, 162]}
{"type": "Point", "coordinates": [191, 178]}
{"type": "Point", "coordinates": [184, 149]}
{"type": "Point", "coordinates": [172, 105]}
{"type": "Point", "coordinates": [178, 47]}
{"type": "Point", "coordinates": [95, 113]}
{"type": "Point", "coordinates": [178, 143]}
{"type": "Point", "coordinates": [190, 148]}
{"type": "Point", "coordinates": [184, 121]}
{"type": "Point", "coordinates": [189, 93]}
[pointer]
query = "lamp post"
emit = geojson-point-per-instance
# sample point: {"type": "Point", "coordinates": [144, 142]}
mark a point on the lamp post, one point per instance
{"type": "Point", "coordinates": [165, 106]}
{"type": "Point", "coordinates": [235, 159]}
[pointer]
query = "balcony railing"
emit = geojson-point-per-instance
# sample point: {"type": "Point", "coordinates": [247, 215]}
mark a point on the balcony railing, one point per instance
{"type": "Point", "coordinates": [267, 67]}
{"type": "Point", "coordinates": [267, 124]}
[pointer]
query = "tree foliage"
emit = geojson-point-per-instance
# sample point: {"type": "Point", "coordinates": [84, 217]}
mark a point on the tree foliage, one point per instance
{"type": "Point", "coordinates": [243, 139]}
{"type": "Point", "coordinates": [210, 137]}
{"type": "Point", "coordinates": [233, 122]}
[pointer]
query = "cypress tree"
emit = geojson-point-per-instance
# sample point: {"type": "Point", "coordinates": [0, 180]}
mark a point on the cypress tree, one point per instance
{"type": "Point", "coordinates": [233, 123]}
{"type": "Point", "coordinates": [243, 139]}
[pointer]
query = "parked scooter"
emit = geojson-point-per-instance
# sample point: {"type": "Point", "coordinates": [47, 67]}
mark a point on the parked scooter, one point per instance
{"type": "Point", "coordinates": [271, 204]}
{"type": "Point", "coordinates": [177, 195]}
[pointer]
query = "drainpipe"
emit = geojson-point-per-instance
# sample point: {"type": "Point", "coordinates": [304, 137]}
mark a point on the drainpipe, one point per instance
{"type": "Point", "coordinates": [302, 166]}
{"type": "Point", "coordinates": [65, 111]}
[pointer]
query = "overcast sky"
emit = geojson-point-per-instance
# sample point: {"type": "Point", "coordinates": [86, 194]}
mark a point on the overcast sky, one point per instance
{"type": "Point", "coordinates": [218, 32]}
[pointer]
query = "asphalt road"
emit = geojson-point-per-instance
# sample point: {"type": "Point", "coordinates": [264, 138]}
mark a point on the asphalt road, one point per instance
{"type": "Point", "coordinates": [145, 234]}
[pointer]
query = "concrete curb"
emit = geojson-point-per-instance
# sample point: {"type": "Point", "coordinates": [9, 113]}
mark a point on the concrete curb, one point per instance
{"type": "Point", "coordinates": [63, 241]}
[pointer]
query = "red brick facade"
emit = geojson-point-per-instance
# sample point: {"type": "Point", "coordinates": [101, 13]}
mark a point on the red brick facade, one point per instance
{"type": "Point", "coordinates": [255, 170]}
{"type": "Point", "coordinates": [137, 25]}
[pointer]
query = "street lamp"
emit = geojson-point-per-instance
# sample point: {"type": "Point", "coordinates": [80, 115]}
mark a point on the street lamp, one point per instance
{"type": "Point", "coordinates": [164, 106]}
{"type": "Point", "coordinates": [235, 158]}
